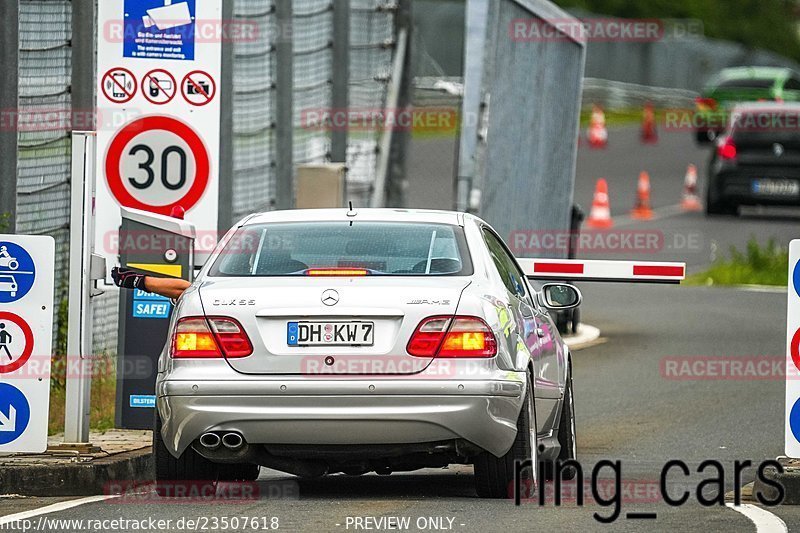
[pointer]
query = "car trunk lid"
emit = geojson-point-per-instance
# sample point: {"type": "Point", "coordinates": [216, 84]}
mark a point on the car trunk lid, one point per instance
{"type": "Point", "coordinates": [331, 326]}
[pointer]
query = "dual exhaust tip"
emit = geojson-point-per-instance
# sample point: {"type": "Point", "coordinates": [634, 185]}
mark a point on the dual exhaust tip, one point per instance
{"type": "Point", "coordinates": [212, 441]}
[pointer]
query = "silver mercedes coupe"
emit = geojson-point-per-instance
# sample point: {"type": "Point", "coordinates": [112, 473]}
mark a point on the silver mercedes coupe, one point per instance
{"type": "Point", "coordinates": [358, 341]}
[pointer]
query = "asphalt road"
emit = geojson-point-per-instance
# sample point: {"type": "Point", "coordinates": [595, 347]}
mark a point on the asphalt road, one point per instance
{"type": "Point", "coordinates": [630, 406]}
{"type": "Point", "coordinates": [628, 410]}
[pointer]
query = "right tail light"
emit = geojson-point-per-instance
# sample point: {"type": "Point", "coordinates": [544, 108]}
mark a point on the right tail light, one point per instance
{"type": "Point", "coordinates": [726, 149]}
{"type": "Point", "coordinates": [453, 337]}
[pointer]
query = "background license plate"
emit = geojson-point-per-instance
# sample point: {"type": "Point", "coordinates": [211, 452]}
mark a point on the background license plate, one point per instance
{"type": "Point", "coordinates": [330, 333]}
{"type": "Point", "coordinates": [776, 187]}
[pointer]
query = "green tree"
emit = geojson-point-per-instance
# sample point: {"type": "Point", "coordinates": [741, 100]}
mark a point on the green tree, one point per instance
{"type": "Point", "coordinates": [768, 24]}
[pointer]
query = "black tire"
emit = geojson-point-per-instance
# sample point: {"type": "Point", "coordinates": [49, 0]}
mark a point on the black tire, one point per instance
{"type": "Point", "coordinates": [562, 322]}
{"type": "Point", "coordinates": [575, 323]}
{"type": "Point", "coordinates": [715, 206]}
{"type": "Point", "coordinates": [494, 476]}
{"type": "Point", "coordinates": [183, 476]}
{"type": "Point", "coordinates": [705, 137]}
{"type": "Point", "coordinates": [566, 434]}
{"type": "Point", "coordinates": [242, 472]}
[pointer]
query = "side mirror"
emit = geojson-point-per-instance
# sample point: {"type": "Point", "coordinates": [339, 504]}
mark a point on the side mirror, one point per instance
{"type": "Point", "coordinates": [560, 297]}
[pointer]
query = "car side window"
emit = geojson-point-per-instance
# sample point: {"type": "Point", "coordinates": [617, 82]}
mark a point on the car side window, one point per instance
{"type": "Point", "coordinates": [509, 273]}
{"type": "Point", "coordinates": [792, 84]}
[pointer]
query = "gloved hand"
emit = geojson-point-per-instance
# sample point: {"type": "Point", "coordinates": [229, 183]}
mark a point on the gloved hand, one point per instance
{"type": "Point", "coordinates": [127, 279]}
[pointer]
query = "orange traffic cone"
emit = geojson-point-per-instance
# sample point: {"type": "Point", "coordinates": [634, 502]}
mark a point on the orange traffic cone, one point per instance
{"type": "Point", "coordinates": [598, 132]}
{"type": "Point", "coordinates": [691, 202]}
{"type": "Point", "coordinates": [643, 211]}
{"type": "Point", "coordinates": [600, 217]}
{"type": "Point", "coordinates": [649, 130]}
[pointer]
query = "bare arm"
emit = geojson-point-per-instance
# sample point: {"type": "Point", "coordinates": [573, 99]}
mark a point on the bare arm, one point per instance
{"type": "Point", "coordinates": [170, 287]}
{"type": "Point", "coordinates": [130, 279]}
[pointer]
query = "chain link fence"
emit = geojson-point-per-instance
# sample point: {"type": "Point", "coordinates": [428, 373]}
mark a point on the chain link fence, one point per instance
{"type": "Point", "coordinates": [43, 124]}
{"type": "Point", "coordinates": [372, 41]}
{"type": "Point", "coordinates": [45, 108]}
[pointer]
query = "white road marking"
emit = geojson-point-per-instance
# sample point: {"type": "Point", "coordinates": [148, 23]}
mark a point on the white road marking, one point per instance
{"type": "Point", "coordinates": [763, 288]}
{"type": "Point", "coordinates": [764, 521]}
{"type": "Point", "coordinates": [55, 508]}
{"type": "Point", "coordinates": [659, 213]}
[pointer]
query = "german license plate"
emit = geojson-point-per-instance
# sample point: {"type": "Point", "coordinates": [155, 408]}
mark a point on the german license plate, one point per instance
{"type": "Point", "coordinates": [776, 187]}
{"type": "Point", "coordinates": [330, 333]}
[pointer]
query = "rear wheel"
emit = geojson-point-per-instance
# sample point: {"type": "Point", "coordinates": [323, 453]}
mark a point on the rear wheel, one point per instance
{"type": "Point", "coordinates": [566, 435]}
{"type": "Point", "coordinates": [717, 206]}
{"type": "Point", "coordinates": [183, 476]}
{"type": "Point", "coordinates": [494, 476]}
{"type": "Point", "coordinates": [703, 137]}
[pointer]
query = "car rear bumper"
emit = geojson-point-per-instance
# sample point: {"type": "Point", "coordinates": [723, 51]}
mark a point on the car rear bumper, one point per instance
{"type": "Point", "coordinates": [737, 187]}
{"type": "Point", "coordinates": [341, 412]}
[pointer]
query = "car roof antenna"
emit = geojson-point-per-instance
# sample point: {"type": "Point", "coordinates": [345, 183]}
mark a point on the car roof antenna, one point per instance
{"type": "Point", "coordinates": [352, 213]}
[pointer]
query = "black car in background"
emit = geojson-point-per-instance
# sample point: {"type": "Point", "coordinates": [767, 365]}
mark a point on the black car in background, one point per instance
{"type": "Point", "coordinates": [757, 159]}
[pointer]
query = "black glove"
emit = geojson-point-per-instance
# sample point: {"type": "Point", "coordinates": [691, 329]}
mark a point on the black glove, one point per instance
{"type": "Point", "coordinates": [127, 279]}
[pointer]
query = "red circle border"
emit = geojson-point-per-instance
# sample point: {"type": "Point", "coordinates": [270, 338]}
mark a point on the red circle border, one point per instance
{"type": "Point", "coordinates": [213, 86]}
{"type": "Point", "coordinates": [174, 84]}
{"type": "Point", "coordinates": [26, 354]}
{"type": "Point", "coordinates": [130, 96]}
{"type": "Point", "coordinates": [144, 124]}
{"type": "Point", "coordinates": [795, 349]}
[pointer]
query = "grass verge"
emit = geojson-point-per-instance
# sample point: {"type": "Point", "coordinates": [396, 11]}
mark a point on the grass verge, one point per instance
{"type": "Point", "coordinates": [617, 117]}
{"type": "Point", "coordinates": [104, 382]}
{"type": "Point", "coordinates": [757, 265]}
{"type": "Point", "coordinates": [103, 400]}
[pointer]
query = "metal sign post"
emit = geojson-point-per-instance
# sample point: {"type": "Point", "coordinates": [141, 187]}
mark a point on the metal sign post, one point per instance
{"type": "Point", "coordinates": [159, 66]}
{"type": "Point", "coordinates": [84, 268]}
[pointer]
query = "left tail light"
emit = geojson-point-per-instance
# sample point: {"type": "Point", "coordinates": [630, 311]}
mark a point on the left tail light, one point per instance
{"type": "Point", "coordinates": [210, 338]}
{"type": "Point", "coordinates": [453, 337]}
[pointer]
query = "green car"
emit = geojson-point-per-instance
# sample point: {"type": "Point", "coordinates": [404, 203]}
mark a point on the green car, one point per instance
{"type": "Point", "coordinates": [741, 84]}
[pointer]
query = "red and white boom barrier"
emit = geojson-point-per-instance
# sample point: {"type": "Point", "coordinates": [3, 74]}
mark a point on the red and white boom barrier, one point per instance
{"type": "Point", "coordinates": [605, 271]}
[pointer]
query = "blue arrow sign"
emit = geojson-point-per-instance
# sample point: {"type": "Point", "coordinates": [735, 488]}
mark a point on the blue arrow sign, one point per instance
{"type": "Point", "coordinates": [15, 413]}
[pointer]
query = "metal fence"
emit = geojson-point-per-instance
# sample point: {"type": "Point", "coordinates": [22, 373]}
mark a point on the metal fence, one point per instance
{"type": "Point", "coordinates": [44, 85]}
{"type": "Point", "coordinates": [42, 115]}
{"type": "Point", "coordinates": [682, 57]}
{"type": "Point", "coordinates": [520, 153]}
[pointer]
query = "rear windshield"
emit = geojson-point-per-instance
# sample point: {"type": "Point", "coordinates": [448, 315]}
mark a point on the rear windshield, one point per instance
{"type": "Point", "coordinates": [774, 125]}
{"type": "Point", "coordinates": [384, 249]}
{"type": "Point", "coordinates": [747, 83]}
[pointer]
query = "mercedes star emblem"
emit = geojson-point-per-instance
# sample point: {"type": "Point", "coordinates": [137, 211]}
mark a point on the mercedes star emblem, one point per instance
{"type": "Point", "coordinates": [778, 149]}
{"type": "Point", "coordinates": [330, 297]}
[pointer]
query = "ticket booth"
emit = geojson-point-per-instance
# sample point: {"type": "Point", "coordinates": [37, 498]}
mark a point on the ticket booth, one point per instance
{"type": "Point", "coordinates": [158, 246]}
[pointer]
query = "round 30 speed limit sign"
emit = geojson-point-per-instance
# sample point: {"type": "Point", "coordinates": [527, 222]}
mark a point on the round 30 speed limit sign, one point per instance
{"type": "Point", "coordinates": [156, 163]}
